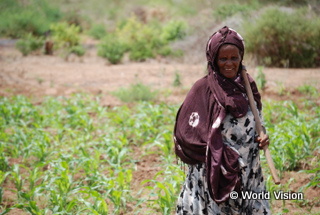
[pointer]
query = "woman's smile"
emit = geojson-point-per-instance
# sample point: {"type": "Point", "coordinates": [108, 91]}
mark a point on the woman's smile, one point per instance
{"type": "Point", "coordinates": [229, 60]}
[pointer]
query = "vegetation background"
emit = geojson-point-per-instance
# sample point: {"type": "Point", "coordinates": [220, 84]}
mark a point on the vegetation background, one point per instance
{"type": "Point", "coordinates": [89, 91]}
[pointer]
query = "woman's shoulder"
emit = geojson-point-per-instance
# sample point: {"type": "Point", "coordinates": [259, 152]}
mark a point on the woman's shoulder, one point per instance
{"type": "Point", "coordinates": [199, 89]}
{"type": "Point", "coordinates": [200, 84]}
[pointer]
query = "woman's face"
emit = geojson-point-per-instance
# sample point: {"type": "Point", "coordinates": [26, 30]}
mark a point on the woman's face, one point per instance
{"type": "Point", "coordinates": [228, 61]}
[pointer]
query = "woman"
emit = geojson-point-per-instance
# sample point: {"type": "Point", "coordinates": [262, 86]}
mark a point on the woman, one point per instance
{"type": "Point", "coordinates": [215, 134]}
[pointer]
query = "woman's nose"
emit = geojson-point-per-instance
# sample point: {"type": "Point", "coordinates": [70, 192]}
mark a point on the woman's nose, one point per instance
{"type": "Point", "coordinates": [228, 62]}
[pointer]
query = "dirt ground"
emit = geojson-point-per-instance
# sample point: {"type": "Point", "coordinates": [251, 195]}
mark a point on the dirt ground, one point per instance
{"type": "Point", "coordinates": [39, 75]}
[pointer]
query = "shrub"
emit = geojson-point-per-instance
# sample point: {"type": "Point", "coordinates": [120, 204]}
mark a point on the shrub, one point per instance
{"type": "Point", "coordinates": [78, 50]}
{"type": "Point", "coordinates": [29, 43]}
{"type": "Point", "coordinates": [18, 18]}
{"type": "Point", "coordinates": [15, 25]}
{"type": "Point", "coordinates": [261, 79]}
{"type": "Point", "coordinates": [224, 11]}
{"type": "Point", "coordinates": [289, 2]}
{"type": "Point", "coordinates": [174, 30]}
{"type": "Point", "coordinates": [177, 80]}
{"type": "Point", "coordinates": [98, 31]}
{"type": "Point", "coordinates": [284, 39]}
{"type": "Point", "coordinates": [65, 35]}
{"type": "Point", "coordinates": [141, 40]}
{"type": "Point", "coordinates": [67, 38]}
{"type": "Point", "coordinates": [112, 49]}
{"type": "Point", "coordinates": [141, 50]}
{"type": "Point", "coordinates": [136, 92]}
{"type": "Point", "coordinates": [127, 32]}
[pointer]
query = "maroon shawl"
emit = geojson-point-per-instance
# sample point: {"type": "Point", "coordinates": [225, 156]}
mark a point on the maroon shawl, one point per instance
{"type": "Point", "coordinates": [197, 131]}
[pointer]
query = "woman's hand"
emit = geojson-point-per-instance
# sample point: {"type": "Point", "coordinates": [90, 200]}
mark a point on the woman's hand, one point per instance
{"type": "Point", "coordinates": [263, 141]}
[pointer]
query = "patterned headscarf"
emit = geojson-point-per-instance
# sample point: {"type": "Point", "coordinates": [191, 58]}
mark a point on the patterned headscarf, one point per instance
{"type": "Point", "coordinates": [223, 36]}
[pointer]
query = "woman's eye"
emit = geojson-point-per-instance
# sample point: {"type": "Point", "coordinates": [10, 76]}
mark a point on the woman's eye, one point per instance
{"type": "Point", "coordinates": [223, 59]}
{"type": "Point", "coordinates": [234, 58]}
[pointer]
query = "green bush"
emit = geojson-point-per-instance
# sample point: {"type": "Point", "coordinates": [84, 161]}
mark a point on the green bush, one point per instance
{"type": "Point", "coordinates": [127, 31]}
{"type": "Point", "coordinates": [224, 11]}
{"type": "Point", "coordinates": [18, 18]}
{"type": "Point", "coordinates": [29, 43]}
{"type": "Point", "coordinates": [98, 31]}
{"type": "Point", "coordinates": [78, 50]}
{"type": "Point", "coordinates": [15, 25]}
{"type": "Point", "coordinates": [141, 40]}
{"type": "Point", "coordinates": [136, 92]}
{"type": "Point", "coordinates": [66, 38]}
{"type": "Point", "coordinates": [65, 35]}
{"type": "Point", "coordinates": [165, 51]}
{"type": "Point", "coordinates": [284, 39]}
{"type": "Point", "coordinates": [261, 79]}
{"type": "Point", "coordinates": [289, 2]}
{"type": "Point", "coordinates": [177, 79]}
{"type": "Point", "coordinates": [112, 49]}
{"type": "Point", "coordinates": [174, 30]}
{"type": "Point", "coordinates": [141, 51]}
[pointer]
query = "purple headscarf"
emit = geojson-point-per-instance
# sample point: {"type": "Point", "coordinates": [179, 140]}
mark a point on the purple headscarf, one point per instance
{"type": "Point", "coordinates": [197, 132]}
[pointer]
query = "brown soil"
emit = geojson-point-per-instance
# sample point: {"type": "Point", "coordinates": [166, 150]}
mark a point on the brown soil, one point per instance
{"type": "Point", "coordinates": [39, 75]}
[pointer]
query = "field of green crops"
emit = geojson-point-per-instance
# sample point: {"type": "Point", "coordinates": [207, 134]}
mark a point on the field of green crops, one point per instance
{"type": "Point", "coordinates": [74, 156]}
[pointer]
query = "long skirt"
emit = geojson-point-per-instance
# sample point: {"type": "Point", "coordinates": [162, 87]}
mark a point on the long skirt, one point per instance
{"type": "Point", "coordinates": [195, 199]}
